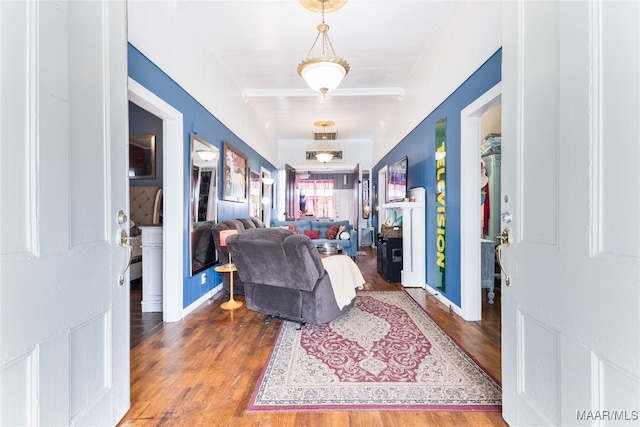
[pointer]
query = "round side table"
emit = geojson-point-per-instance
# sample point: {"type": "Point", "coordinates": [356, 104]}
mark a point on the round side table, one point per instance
{"type": "Point", "coordinates": [229, 268]}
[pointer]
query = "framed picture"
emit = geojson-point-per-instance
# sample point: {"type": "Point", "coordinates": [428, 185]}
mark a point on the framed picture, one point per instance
{"type": "Point", "coordinates": [338, 154]}
{"type": "Point", "coordinates": [234, 188]}
{"type": "Point", "coordinates": [142, 156]}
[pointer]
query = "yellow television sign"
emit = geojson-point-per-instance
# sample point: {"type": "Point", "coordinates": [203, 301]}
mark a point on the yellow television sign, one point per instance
{"type": "Point", "coordinates": [441, 202]}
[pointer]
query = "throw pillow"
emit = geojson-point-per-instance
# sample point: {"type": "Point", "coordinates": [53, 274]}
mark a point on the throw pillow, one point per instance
{"type": "Point", "coordinates": [391, 218]}
{"type": "Point", "coordinates": [344, 235]}
{"type": "Point", "coordinates": [313, 234]}
{"type": "Point", "coordinates": [332, 232]}
{"type": "Point", "coordinates": [293, 228]}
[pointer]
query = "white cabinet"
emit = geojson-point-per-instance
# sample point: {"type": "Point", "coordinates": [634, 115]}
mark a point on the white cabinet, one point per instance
{"type": "Point", "coordinates": [367, 237]}
{"type": "Point", "coordinates": [152, 245]}
{"type": "Point", "coordinates": [414, 273]}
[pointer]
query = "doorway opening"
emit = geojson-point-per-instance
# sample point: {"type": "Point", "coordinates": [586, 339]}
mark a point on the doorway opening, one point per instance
{"type": "Point", "coordinates": [322, 194]}
{"type": "Point", "coordinates": [173, 198]}
{"type": "Point", "coordinates": [146, 136]}
{"type": "Point", "coordinates": [481, 123]}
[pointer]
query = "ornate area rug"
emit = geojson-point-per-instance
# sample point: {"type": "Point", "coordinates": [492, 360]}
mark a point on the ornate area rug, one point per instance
{"type": "Point", "coordinates": [384, 353]}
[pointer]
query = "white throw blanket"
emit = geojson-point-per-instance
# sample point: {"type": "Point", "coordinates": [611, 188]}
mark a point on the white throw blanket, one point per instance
{"type": "Point", "coordinates": [345, 278]}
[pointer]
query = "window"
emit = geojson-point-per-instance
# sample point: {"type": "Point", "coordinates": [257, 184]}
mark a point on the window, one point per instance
{"type": "Point", "coordinates": [315, 198]}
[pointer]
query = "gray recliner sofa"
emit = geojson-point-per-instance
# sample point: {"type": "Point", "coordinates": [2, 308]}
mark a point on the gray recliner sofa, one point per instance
{"type": "Point", "coordinates": [283, 276]}
{"type": "Point", "coordinates": [204, 251]}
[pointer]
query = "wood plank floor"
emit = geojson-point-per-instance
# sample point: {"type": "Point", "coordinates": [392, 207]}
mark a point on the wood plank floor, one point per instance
{"type": "Point", "coordinates": [202, 370]}
{"type": "Point", "coordinates": [142, 324]}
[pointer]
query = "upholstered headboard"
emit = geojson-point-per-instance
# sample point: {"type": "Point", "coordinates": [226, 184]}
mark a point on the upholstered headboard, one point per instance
{"type": "Point", "coordinates": [146, 205]}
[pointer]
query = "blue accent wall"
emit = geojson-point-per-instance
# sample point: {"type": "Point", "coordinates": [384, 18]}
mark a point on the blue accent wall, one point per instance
{"type": "Point", "coordinates": [419, 147]}
{"type": "Point", "coordinates": [195, 117]}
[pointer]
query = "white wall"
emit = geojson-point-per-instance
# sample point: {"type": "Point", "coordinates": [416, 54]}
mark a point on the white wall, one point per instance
{"type": "Point", "coordinates": [468, 39]}
{"type": "Point", "coordinates": [356, 152]}
{"type": "Point", "coordinates": [165, 34]}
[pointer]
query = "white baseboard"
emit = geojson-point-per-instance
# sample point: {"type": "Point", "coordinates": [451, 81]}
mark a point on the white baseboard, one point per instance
{"type": "Point", "coordinates": [436, 293]}
{"type": "Point", "coordinates": [201, 300]}
{"type": "Point", "coordinates": [152, 306]}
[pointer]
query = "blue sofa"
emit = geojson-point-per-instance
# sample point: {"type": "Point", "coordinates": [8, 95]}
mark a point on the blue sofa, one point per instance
{"type": "Point", "coordinates": [350, 246]}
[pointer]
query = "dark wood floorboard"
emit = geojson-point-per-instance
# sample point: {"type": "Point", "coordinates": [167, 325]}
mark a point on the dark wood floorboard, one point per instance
{"type": "Point", "coordinates": [142, 324]}
{"type": "Point", "coordinates": [202, 370]}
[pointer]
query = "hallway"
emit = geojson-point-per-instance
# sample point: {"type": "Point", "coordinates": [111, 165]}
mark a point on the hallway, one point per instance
{"type": "Point", "coordinates": [203, 369]}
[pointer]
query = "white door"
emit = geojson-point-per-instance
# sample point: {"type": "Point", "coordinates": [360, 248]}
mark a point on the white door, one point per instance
{"type": "Point", "coordinates": [64, 353]}
{"type": "Point", "coordinates": [571, 114]}
{"type": "Point", "coordinates": [267, 196]}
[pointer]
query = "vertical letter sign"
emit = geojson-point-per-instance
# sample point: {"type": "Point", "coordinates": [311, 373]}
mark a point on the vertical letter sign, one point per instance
{"type": "Point", "coordinates": [441, 201]}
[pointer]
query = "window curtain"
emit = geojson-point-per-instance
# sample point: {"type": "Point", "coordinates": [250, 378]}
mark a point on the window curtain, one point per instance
{"type": "Point", "coordinates": [315, 198]}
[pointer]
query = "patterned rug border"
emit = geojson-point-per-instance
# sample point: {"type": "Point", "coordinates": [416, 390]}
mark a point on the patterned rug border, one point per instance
{"type": "Point", "coordinates": [469, 355]}
{"type": "Point", "coordinates": [252, 407]}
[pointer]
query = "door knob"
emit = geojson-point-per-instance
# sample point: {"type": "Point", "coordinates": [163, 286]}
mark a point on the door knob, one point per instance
{"type": "Point", "coordinates": [122, 217]}
{"type": "Point", "coordinates": [505, 240]}
{"type": "Point", "coordinates": [505, 217]}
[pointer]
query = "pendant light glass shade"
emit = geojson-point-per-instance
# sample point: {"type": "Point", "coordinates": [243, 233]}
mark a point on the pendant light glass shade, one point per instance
{"type": "Point", "coordinates": [206, 155]}
{"type": "Point", "coordinates": [325, 71]}
{"type": "Point", "coordinates": [323, 76]}
{"type": "Point", "coordinates": [324, 157]}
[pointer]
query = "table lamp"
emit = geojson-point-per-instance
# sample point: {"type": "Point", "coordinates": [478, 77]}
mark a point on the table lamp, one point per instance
{"type": "Point", "coordinates": [228, 268]}
{"type": "Point", "coordinates": [367, 213]}
{"type": "Point", "coordinates": [324, 201]}
{"type": "Point", "coordinates": [224, 235]}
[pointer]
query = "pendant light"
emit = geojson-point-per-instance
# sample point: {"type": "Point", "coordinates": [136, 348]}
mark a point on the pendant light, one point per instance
{"type": "Point", "coordinates": [324, 72]}
{"type": "Point", "coordinates": [324, 152]}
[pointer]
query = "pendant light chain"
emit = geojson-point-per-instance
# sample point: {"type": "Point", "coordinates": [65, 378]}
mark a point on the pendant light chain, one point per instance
{"type": "Point", "coordinates": [325, 27]}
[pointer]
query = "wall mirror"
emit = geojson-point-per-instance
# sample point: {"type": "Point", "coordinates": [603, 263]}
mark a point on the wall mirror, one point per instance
{"type": "Point", "coordinates": [255, 196]}
{"type": "Point", "coordinates": [142, 156]}
{"type": "Point", "coordinates": [205, 161]}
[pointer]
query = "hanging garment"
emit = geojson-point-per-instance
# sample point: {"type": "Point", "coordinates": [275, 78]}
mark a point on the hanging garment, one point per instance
{"type": "Point", "coordinates": [487, 210]}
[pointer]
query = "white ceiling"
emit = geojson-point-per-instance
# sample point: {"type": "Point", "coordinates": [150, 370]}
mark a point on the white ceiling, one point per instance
{"type": "Point", "coordinates": [262, 42]}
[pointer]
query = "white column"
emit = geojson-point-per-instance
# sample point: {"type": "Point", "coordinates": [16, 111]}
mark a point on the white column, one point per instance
{"type": "Point", "coordinates": [151, 268]}
{"type": "Point", "coordinates": [413, 237]}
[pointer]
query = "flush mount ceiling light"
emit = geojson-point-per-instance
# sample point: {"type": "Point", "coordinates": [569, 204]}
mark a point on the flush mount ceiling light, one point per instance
{"type": "Point", "coordinates": [324, 72]}
{"type": "Point", "coordinates": [324, 153]}
{"type": "Point", "coordinates": [317, 6]}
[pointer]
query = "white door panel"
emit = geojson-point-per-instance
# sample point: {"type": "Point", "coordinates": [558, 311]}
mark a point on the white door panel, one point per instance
{"type": "Point", "coordinates": [571, 325]}
{"type": "Point", "coordinates": [63, 316]}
